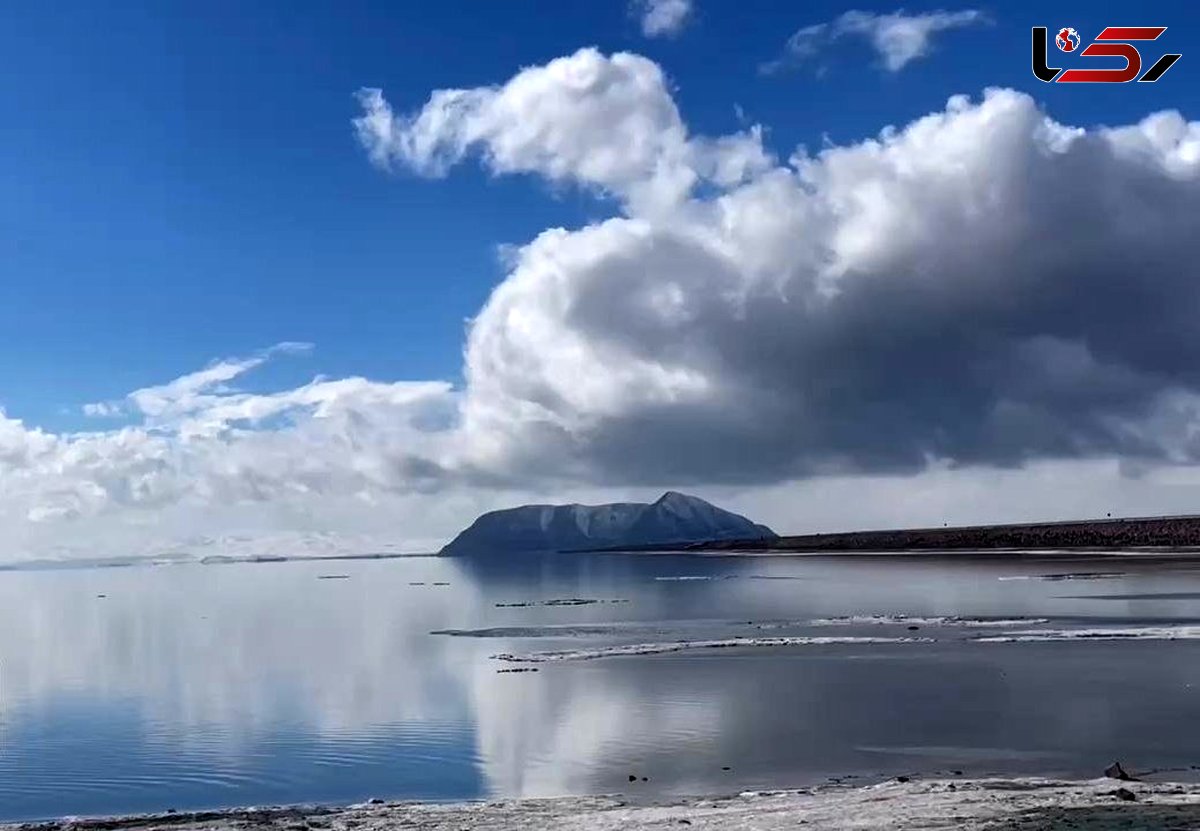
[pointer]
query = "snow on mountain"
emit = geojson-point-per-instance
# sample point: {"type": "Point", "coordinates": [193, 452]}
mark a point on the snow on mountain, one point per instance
{"type": "Point", "coordinates": [673, 518]}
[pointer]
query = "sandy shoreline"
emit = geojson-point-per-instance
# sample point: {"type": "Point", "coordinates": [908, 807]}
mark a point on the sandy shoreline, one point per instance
{"type": "Point", "coordinates": [994, 804]}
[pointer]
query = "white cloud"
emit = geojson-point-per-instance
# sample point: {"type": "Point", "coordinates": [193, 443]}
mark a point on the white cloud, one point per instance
{"type": "Point", "coordinates": [662, 18]}
{"type": "Point", "coordinates": [188, 393]}
{"type": "Point", "coordinates": [199, 446]}
{"type": "Point", "coordinates": [603, 122]}
{"type": "Point", "coordinates": [897, 38]}
{"type": "Point", "coordinates": [102, 409]}
{"type": "Point", "coordinates": [962, 288]}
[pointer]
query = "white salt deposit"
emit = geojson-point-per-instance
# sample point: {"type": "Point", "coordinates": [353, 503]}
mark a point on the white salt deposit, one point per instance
{"type": "Point", "coordinates": [680, 646]}
{"type": "Point", "coordinates": [971, 805]}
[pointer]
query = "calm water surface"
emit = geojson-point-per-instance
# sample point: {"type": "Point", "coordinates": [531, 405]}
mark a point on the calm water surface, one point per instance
{"type": "Point", "coordinates": [186, 686]}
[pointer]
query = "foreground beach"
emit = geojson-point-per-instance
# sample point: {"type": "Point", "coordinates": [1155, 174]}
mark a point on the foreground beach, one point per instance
{"type": "Point", "coordinates": [994, 804]}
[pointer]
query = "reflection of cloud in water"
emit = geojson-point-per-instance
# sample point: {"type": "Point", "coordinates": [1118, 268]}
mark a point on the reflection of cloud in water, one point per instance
{"type": "Point", "coordinates": [220, 655]}
{"type": "Point", "coordinates": [241, 646]}
{"type": "Point", "coordinates": [556, 733]}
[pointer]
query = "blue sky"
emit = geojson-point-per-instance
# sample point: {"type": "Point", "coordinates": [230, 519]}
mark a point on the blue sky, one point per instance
{"type": "Point", "coordinates": [183, 183]}
{"type": "Point", "coordinates": [828, 265]}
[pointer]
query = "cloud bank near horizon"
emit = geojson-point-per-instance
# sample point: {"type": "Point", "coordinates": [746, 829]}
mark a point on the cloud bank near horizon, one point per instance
{"type": "Point", "coordinates": [983, 287]}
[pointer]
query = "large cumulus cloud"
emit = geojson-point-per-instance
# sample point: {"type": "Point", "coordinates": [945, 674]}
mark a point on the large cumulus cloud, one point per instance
{"type": "Point", "coordinates": [984, 286]}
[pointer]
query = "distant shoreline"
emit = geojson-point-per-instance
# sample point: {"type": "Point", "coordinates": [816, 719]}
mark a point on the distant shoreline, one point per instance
{"type": "Point", "coordinates": [1152, 534]}
{"type": "Point", "coordinates": [995, 804]}
{"type": "Point", "coordinates": [208, 560]}
{"type": "Point", "coordinates": [223, 559]}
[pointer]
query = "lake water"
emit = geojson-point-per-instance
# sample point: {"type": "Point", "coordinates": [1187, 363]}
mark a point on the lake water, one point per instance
{"type": "Point", "coordinates": [185, 686]}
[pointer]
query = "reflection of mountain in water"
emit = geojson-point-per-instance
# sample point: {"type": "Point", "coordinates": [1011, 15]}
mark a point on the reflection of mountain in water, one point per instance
{"type": "Point", "coordinates": [673, 518]}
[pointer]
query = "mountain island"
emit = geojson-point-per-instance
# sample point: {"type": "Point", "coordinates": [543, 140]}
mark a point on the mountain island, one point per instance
{"type": "Point", "coordinates": [674, 518]}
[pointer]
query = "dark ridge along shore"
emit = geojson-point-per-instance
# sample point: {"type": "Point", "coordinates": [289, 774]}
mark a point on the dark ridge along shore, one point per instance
{"type": "Point", "coordinates": [1167, 532]}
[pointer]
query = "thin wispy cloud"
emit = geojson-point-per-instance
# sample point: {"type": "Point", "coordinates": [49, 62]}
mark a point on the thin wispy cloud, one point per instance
{"type": "Point", "coordinates": [662, 18]}
{"type": "Point", "coordinates": [897, 38]}
{"type": "Point", "coordinates": [187, 392]}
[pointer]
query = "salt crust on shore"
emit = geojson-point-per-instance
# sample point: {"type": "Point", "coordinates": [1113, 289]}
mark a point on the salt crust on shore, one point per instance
{"type": "Point", "coordinates": [993, 804]}
{"type": "Point", "coordinates": [680, 646]}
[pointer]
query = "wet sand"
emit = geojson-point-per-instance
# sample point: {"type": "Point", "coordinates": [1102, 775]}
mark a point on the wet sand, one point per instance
{"type": "Point", "coordinates": [994, 804]}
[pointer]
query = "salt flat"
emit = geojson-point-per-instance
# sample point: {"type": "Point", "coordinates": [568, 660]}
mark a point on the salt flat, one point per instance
{"type": "Point", "coordinates": [993, 804]}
